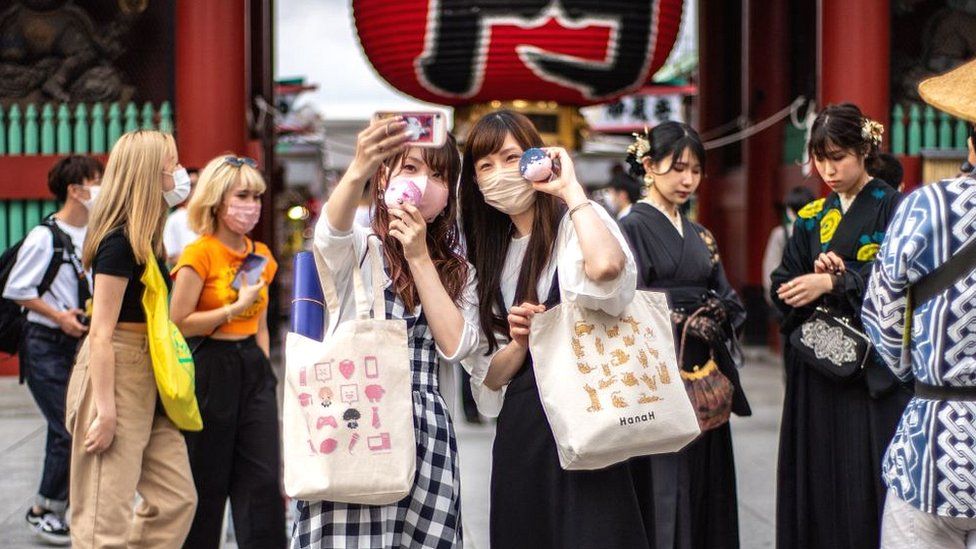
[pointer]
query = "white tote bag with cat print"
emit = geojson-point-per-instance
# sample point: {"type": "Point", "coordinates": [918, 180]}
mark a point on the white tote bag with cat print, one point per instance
{"type": "Point", "coordinates": [348, 426]}
{"type": "Point", "coordinates": [610, 385]}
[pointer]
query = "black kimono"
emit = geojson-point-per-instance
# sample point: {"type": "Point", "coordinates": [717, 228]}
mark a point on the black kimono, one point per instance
{"type": "Point", "coordinates": [834, 434]}
{"type": "Point", "coordinates": [695, 503]}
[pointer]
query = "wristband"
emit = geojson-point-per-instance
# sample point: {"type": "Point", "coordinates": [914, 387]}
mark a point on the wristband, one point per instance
{"type": "Point", "coordinates": [228, 313]}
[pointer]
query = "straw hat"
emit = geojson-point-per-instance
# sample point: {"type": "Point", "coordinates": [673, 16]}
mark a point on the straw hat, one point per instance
{"type": "Point", "coordinates": [953, 92]}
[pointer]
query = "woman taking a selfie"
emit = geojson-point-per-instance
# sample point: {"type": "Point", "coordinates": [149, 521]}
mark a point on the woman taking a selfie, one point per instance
{"type": "Point", "coordinates": [528, 241]}
{"type": "Point", "coordinates": [220, 302]}
{"type": "Point", "coordinates": [122, 443]}
{"type": "Point", "coordinates": [430, 286]}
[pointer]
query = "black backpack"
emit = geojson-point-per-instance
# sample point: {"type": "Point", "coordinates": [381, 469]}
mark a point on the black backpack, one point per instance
{"type": "Point", "coordinates": [13, 317]}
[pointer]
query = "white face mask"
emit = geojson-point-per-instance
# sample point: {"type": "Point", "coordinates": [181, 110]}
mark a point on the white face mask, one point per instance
{"type": "Point", "coordinates": [89, 202]}
{"type": "Point", "coordinates": [178, 194]}
{"type": "Point", "coordinates": [507, 191]}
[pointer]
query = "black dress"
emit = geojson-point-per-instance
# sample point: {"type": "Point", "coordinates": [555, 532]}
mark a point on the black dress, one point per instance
{"type": "Point", "coordinates": [535, 504]}
{"type": "Point", "coordinates": [834, 434]}
{"type": "Point", "coordinates": [695, 504]}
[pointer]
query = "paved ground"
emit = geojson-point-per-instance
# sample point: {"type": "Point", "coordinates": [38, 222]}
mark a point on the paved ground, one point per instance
{"type": "Point", "coordinates": [22, 435]}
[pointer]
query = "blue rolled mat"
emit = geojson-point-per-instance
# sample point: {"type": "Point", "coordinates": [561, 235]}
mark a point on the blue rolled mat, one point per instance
{"type": "Point", "coordinates": [307, 305]}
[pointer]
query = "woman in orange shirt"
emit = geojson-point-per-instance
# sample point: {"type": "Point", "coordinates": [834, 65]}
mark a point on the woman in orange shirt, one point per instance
{"type": "Point", "coordinates": [220, 301]}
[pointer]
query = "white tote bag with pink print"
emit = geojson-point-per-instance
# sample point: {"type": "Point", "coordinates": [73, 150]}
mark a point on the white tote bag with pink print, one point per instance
{"type": "Point", "coordinates": [348, 425]}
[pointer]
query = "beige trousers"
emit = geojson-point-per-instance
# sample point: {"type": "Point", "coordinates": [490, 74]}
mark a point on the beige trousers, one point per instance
{"type": "Point", "coordinates": [148, 457]}
{"type": "Point", "coordinates": [905, 527]}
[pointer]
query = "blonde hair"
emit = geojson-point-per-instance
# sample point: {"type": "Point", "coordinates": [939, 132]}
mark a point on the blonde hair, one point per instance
{"type": "Point", "coordinates": [132, 195]}
{"type": "Point", "coordinates": [216, 180]}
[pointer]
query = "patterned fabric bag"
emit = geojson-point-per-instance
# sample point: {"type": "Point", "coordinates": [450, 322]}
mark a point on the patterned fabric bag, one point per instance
{"type": "Point", "coordinates": [831, 345]}
{"type": "Point", "coordinates": [348, 428]}
{"type": "Point", "coordinates": [609, 384]}
{"type": "Point", "coordinates": [708, 388]}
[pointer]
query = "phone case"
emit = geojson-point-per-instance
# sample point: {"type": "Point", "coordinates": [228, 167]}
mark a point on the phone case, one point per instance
{"type": "Point", "coordinates": [430, 127]}
{"type": "Point", "coordinates": [252, 267]}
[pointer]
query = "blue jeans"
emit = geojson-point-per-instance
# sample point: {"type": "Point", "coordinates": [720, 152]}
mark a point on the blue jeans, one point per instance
{"type": "Point", "coordinates": [46, 356]}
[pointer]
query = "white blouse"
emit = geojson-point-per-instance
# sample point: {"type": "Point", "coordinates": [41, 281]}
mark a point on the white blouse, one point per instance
{"type": "Point", "coordinates": [340, 249]}
{"type": "Point", "coordinates": [567, 256]}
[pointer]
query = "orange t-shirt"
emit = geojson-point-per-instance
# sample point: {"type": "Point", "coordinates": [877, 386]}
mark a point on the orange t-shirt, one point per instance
{"type": "Point", "coordinates": [217, 265]}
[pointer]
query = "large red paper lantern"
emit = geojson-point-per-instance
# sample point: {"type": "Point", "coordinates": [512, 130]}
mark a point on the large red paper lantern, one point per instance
{"type": "Point", "coordinates": [576, 52]}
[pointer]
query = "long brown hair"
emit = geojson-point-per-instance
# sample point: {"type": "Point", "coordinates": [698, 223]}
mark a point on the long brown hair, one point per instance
{"type": "Point", "coordinates": [488, 232]}
{"type": "Point", "coordinates": [443, 238]}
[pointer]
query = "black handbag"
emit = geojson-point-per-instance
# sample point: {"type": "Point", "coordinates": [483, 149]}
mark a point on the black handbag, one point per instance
{"type": "Point", "coordinates": [831, 345]}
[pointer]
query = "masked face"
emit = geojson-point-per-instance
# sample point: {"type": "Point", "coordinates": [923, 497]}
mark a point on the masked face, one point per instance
{"type": "Point", "coordinates": [428, 195]}
{"type": "Point", "coordinates": [240, 215]}
{"type": "Point", "coordinates": [414, 182]}
{"type": "Point", "coordinates": [506, 190]}
{"type": "Point", "coordinates": [93, 191]}
{"type": "Point", "coordinates": [500, 180]}
{"type": "Point", "coordinates": [180, 190]}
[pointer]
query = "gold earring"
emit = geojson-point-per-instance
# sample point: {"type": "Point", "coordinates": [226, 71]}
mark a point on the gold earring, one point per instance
{"type": "Point", "coordinates": [649, 179]}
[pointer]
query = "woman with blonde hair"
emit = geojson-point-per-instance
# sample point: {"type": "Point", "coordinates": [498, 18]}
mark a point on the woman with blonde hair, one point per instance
{"type": "Point", "coordinates": [220, 302]}
{"type": "Point", "coordinates": [121, 440]}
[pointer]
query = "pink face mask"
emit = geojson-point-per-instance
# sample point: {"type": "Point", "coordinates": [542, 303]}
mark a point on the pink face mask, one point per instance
{"type": "Point", "coordinates": [240, 215]}
{"type": "Point", "coordinates": [430, 198]}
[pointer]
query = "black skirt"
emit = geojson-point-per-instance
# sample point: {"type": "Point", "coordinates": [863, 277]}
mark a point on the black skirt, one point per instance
{"type": "Point", "coordinates": [535, 504]}
{"type": "Point", "coordinates": [832, 440]}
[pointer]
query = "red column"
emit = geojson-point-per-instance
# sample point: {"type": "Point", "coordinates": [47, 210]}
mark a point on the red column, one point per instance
{"type": "Point", "coordinates": [854, 55]}
{"type": "Point", "coordinates": [767, 60]}
{"type": "Point", "coordinates": [210, 79]}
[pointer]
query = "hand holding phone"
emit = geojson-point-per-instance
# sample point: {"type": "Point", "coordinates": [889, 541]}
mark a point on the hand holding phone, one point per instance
{"type": "Point", "coordinates": [250, 270]}
{"type": "Point", "coordinates": [246, 296]}
{"type": "Point", "coordinates": [426, 128]}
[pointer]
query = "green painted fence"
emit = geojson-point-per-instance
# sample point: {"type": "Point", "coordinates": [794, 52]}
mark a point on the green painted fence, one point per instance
{"type": "Point", "coordinates": [18, 217]}
{"type": "Point", "coordinates": [52, 129]}
{"type": "Point", "coordinates": [84, 129]}
{"type": "Point", "coordinates": [920, 127]}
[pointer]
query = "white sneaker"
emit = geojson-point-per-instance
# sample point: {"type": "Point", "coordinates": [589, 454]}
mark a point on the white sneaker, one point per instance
{"type": "Point", "coordinates": [49, 527]}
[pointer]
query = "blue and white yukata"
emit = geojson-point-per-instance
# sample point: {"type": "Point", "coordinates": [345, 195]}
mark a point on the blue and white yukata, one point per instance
{"type": "Point", "coordinates": [430, 517]}
{"type": "Point", "coordinates": [931, 462]}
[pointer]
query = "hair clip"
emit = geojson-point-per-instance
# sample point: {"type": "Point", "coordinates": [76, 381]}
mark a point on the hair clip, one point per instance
{"type": "Point", "coordinates": [871, 131]}
{"type": "Point", "coordinates": [641, 145]}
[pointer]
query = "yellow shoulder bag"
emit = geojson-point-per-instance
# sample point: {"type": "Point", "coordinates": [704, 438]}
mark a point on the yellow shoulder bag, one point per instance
{"type": "Point", "coordinates": [171, 358]}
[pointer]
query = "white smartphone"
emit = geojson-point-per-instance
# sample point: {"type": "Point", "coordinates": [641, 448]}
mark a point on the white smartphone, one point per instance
{"type": "Point", "coordinates": [427, 128]}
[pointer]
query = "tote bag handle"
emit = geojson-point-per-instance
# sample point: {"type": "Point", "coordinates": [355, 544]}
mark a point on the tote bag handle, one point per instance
{"type": "Point", "coordinates": [359, 289]}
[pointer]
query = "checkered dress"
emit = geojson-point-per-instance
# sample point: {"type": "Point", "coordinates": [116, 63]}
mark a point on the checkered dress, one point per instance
{"type": "Point", "coordinates": [430, 517]}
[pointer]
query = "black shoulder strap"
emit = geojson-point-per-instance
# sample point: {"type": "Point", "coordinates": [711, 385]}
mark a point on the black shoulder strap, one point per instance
{"type": "Point", "coordinates": [57, 258]}
{"type": "Point", "coordinates": [62, 244]}
{"type": "Point", "coordinates": [947, 274]}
